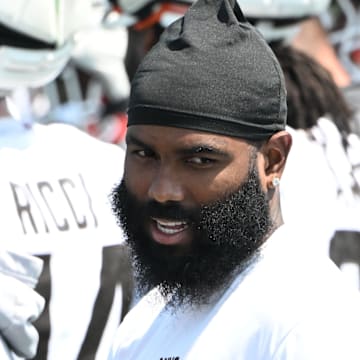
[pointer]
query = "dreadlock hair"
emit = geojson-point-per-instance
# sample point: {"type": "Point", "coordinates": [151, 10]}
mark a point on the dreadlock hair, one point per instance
{"type": "Point", "coordinates": [311, 91]}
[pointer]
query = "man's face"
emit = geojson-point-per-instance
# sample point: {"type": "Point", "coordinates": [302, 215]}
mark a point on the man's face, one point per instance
{"type": "Point", "coordinates": [193, 208]}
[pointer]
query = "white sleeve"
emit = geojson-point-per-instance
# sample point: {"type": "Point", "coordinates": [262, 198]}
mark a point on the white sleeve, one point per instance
{"type": "Point", "coordinates": [20, 305]}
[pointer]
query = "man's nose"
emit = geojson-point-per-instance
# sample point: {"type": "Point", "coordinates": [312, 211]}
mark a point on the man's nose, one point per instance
{"type": "Point", "coordinates": [166, 187]}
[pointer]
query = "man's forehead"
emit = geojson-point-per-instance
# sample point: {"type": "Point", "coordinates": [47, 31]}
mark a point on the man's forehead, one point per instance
{"type": "Point", "coordinates": [175, 135]}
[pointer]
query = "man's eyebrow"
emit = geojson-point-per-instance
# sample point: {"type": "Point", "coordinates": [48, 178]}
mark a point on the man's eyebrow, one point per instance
{"type": "Point", "coordinates": [190, 150]}
{"type": "Point", "coordinates": [203, 149]}
{"type": "Point", "coordinates": [133, 140]}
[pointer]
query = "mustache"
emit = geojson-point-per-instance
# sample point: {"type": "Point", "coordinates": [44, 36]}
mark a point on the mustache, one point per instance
{"type": "Point", "coordinates": [170, 210]}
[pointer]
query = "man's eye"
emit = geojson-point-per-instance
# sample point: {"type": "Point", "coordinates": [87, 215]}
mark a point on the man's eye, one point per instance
{"type": "Point", "coordinates": [200, 160]}
{"type": "Point", "coordinates": [144, 153]}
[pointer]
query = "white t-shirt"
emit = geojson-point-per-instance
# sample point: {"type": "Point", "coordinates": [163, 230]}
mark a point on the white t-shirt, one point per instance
{"type": "Point", "coordinates": [287, 305]}
{"type": "Point", "coordinates": [54, 192]}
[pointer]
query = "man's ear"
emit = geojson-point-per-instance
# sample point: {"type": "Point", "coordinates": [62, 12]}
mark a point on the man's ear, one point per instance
{"type": "Point", "coordinates": [275, 152]}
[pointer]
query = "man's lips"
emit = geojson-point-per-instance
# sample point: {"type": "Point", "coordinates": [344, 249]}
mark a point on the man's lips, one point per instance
{"type": "Point", "coordinates": [169, 232]}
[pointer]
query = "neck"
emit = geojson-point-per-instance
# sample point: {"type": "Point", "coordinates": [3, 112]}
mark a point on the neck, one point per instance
{"type": "Point", "coordinates": [275, 210]}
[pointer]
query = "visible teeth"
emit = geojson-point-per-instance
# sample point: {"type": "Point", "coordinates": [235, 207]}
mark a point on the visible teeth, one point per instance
{"type": "Point", "coordinates": [170, 223]}
{"type": "Point", "coordinates": [167, 230]}
{"type": "Point", "coordinates": [170, 227]}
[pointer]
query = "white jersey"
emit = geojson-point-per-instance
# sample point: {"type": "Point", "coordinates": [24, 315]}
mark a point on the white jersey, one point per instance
{"type": "Point", "coordinates": [288, 304]}
{"type": "Point", "coordinates": [318, 187]}
{"type": "Point", "coordinates": [308, 191]}
{"type": "Point", "coordinates": [54, 192]}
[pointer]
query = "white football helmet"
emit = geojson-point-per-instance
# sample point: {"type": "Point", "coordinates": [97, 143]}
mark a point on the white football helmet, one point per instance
{"type": "Point", "coordinates": [279, 19]}
{"type": "Point", "coordinates": [144, 13]}
{"type": "Point", "coordinates": [36, 39]}
{"type": "Point", "coordinates": [101, 51]}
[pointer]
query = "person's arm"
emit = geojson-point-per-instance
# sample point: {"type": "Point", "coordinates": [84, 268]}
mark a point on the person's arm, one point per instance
{"type": "Point", "coordinates": [20, 305]}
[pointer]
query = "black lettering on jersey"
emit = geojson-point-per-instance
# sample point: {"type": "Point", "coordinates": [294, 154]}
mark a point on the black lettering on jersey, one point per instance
{"type": "Point", "coordinates": [65, 183]}
{"type": "Point", "coordinates": [46, 195]}
{"type": "Point", "coordinates": [26, 205]}
{"type": "Point", "coordinates": [57, 205]}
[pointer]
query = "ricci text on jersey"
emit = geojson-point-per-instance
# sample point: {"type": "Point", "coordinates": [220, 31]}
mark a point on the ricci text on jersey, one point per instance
{"type": "Point", "coordinates": [54, 205]}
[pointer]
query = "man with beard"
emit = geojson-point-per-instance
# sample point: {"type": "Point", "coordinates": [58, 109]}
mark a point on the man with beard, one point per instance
{"type": "Point", "coordinates": [222, 276]}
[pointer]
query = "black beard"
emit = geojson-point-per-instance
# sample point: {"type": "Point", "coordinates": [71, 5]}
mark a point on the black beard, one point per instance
{"type": "Point", "coordinates": [226, 237]}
